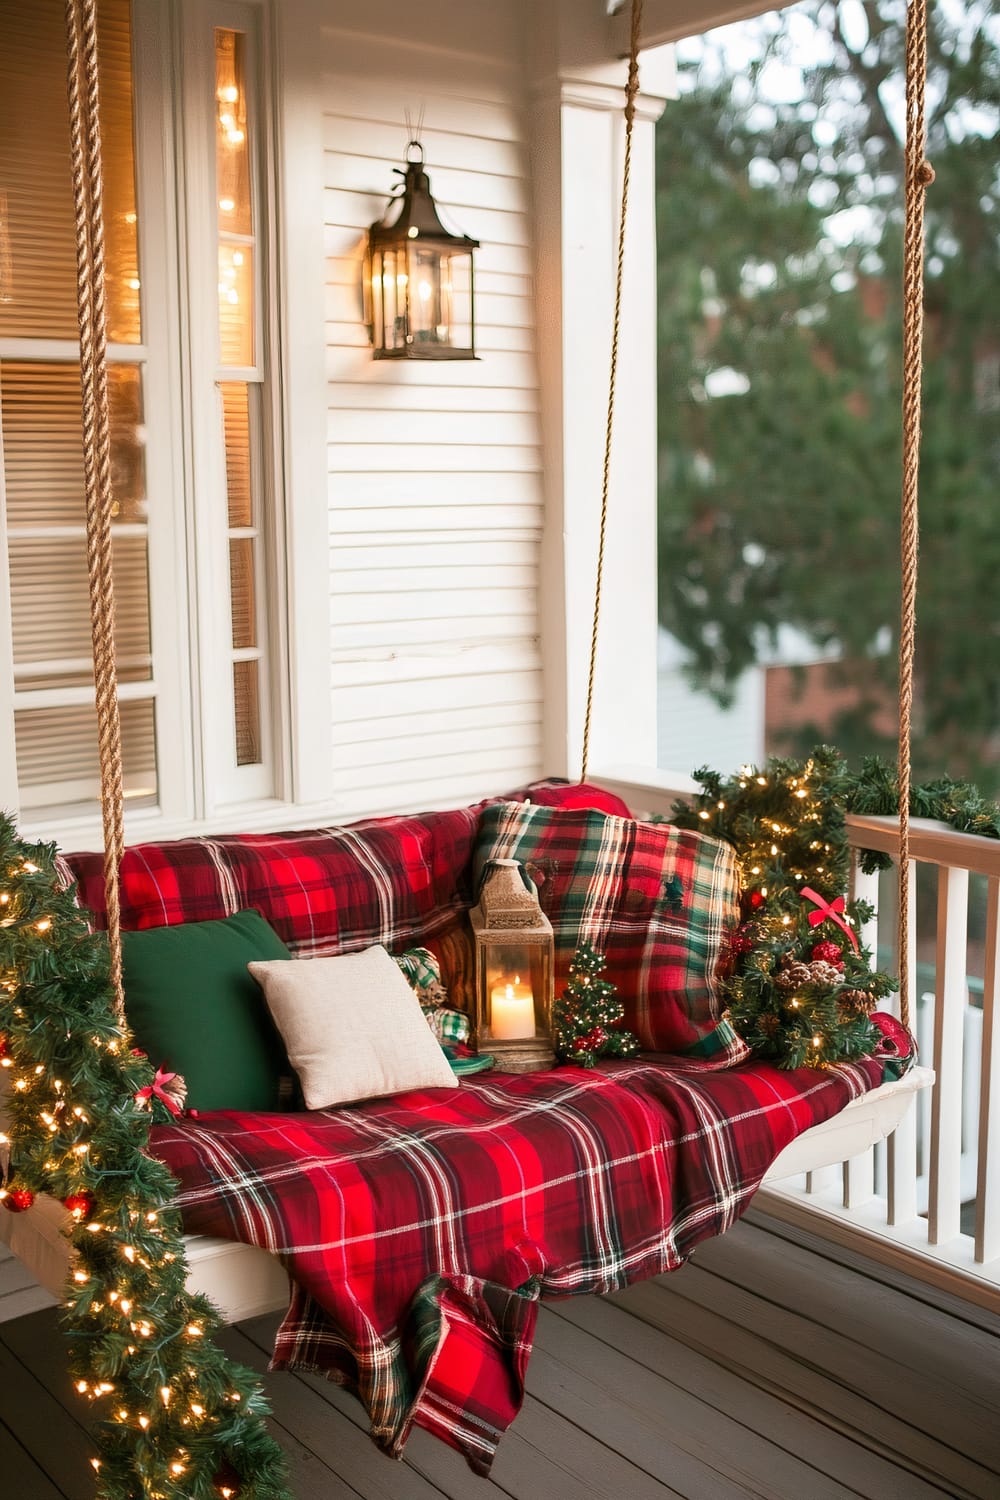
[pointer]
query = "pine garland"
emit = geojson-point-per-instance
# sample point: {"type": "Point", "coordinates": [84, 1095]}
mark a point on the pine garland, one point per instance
{"type": "Point", "coordinates": [798, 989]}
{"type": "Point", "coordinates": [174, 1419]}
{"type": "Point", "coordinates": [874, 792]}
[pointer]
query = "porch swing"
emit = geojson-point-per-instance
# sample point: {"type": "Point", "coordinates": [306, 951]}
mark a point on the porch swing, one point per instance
{"type": "Point", "coordinates": [241, 1279]}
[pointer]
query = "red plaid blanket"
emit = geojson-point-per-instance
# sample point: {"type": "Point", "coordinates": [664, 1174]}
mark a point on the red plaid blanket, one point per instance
{"type": "Point", "coordinates": [420, 1231]}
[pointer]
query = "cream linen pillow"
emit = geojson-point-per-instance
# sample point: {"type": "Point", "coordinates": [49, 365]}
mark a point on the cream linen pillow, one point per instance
{"type": "Point", "coordinates": [352, 1027]}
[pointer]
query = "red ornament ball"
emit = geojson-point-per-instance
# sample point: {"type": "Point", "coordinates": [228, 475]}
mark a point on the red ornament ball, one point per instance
{"type": "Point", "coordinates": [80, 1205]}
{"type": "Point", "coordinates": [755, 899]}
{"type": "Point", "coordinates": [18, 1199]}
{"type": "Point", "coordinates": [829, 952]}
{"type": "Point", "coordinates": [741, 941]}
{"type": "Point", "coordinates": [596, 1037]}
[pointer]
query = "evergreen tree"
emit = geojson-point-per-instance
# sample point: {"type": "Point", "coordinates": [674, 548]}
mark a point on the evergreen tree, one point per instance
{"type": "Point", "coordinates": [780, 209]}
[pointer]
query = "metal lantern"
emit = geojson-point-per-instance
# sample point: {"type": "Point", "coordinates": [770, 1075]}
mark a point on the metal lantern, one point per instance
{"type": "Point", "coordinates": [419, 279]}
{"type": "Point", "coordinates": [514, 963]}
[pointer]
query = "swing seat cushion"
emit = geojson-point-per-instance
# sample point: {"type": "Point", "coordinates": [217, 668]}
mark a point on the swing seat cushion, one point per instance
{"type": "Point", "coordinates": [659, 902]}
{"type": "Point", "coordinates": [196, 1011]}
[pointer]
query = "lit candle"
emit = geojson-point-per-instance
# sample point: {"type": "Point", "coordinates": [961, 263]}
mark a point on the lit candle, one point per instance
{"type": "Point", "coordinates": [512, 1011]}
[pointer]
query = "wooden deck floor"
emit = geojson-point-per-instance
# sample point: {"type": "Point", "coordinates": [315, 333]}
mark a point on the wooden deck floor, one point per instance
{"type": "Point", "coordinates": [763, 1369]}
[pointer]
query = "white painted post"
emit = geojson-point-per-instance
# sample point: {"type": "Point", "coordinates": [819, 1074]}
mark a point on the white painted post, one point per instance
{"type": "Point", "coordinates": [859, 1172]}
{"type": "Point", "coordinates": [901, 1147]}
{"type": "Point", "coordinates": [945, 1197]}
{"type": "Point", "coordinates": [988, 1184]}
{"type": "Point", "coordinates": [577, 171]}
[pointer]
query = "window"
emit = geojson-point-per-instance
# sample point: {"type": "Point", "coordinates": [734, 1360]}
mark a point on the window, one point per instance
{"type": "Point", "coordinates": [193, 476]}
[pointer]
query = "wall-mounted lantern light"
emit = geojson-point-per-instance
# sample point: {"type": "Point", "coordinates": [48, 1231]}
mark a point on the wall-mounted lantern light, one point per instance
{"type": "Point", "coordinates": [418, 276]}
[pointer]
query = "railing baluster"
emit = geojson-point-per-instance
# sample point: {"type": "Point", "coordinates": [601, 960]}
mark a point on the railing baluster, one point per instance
{"type": "Point", "coordinates": [859, 1172]}
{"type": "Point", "coordinates": [988, 1190]}
{"type": "Point", "coordinates": [945, 1200]}
{"type": "Point", "coordinates": [901, 1147]}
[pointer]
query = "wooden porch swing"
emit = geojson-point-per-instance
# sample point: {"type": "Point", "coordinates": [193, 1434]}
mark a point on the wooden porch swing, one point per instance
{"type": "Point", "coordinates": [245, 1281]}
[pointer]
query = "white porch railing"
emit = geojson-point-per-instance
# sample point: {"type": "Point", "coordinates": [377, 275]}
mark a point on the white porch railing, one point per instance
{"type": "Point", "coordinates": [929, 1196]}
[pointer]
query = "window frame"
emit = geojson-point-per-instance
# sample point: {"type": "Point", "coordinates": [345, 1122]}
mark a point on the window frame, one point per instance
{"type": "Point", "coordinates": [184, 479]}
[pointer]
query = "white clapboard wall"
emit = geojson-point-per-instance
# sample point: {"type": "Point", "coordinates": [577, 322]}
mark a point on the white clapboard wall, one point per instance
{"type": "Point", "coordinates": [434, 468]}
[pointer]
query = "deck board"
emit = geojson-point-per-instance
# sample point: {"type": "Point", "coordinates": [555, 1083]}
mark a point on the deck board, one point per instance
{"type": "Point", "coordinates": [766, 1368]}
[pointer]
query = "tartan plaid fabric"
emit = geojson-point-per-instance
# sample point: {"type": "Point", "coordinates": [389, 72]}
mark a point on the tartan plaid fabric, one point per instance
{"type": "Point", "coordinates": [422, 972]}
{"type": "Point", "coordinates": [398, 881]}
{"type": "Point", "coordinates": [657, 901]}
{"type": "Point", "coordinates": [419, 1231]}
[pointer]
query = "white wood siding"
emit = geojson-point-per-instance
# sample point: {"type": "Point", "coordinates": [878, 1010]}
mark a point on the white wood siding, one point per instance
{"type": "Point", "coordinates": [435, 495]}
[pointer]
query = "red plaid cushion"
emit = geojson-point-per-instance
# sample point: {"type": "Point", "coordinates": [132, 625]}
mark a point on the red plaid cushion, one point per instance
{"type": "Point", "coordinates": [657, 901]}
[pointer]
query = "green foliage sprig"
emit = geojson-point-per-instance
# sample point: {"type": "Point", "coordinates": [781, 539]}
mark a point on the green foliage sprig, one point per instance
{"type": "Point", "coordinates": [797, 992]}
{"type": "Point", "coordinates": [174, 1419]}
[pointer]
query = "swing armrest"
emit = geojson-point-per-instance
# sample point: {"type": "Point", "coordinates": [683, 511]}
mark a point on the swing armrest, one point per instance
{"type": "Point", "coordinates": [858, 1126]}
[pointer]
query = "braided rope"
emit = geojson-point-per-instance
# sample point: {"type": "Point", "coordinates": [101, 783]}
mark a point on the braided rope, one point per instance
{"type": "Point", "coordinates": [85, 154]}
{"type": "Point", "coordinates": [631, 93]}
{"type": "Point", "coordinates": [918, 176]}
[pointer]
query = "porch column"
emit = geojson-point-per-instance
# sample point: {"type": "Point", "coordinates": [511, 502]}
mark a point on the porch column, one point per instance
{"type": "Point", "coordinates": [579, 136]}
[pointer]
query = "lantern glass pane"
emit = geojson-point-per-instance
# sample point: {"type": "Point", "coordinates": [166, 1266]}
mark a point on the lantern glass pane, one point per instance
{"type": "Point", "coordinates": [394, 298]}
{"type": "Point", "coordinates": [514, 984]}
{"type": "Point", "coordinates": [426, 322]}
{"type": "Point", "coordinates": [373, 297]}
{"type": "Point", "coordinates": [456, 277]}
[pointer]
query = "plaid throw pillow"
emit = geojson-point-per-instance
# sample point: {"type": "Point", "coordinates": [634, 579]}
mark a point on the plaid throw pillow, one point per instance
{"type": "Point", "coordinates": [657, 901]}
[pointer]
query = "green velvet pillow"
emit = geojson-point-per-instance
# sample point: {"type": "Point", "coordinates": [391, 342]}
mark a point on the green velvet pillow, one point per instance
{"type": "Point", "coordinates": [195, 1009]}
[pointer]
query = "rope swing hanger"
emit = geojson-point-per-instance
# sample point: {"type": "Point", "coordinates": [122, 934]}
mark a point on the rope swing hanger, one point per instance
{"type": "Point", "coordinates": [88, 203]}
{"type": "Point", "coordinates": [918, 175]}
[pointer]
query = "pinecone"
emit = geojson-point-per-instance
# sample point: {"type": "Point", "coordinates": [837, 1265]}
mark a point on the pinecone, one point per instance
{"type": "Point", "coordinates": [792, 974]}
{"type": "Point", "coordinates": [856, 1002]}
{"type": "Point", "coordinates": [826, 974]}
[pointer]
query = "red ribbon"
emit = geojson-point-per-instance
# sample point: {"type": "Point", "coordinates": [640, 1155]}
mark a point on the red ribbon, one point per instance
{"type": "Point", "coordinates": [828, 910]}
{"type": "Point", "coordinates": [157, 1088]}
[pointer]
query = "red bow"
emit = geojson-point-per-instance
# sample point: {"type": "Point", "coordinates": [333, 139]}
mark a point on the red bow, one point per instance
{"type": "Point", "coordinates": [159, 1089]}
{"type": "Point", "coordinates": [831, 910]}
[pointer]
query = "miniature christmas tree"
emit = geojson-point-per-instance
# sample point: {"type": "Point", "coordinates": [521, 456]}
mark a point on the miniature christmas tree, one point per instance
{"type": "Point", "coordinates": [587, 1016]}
